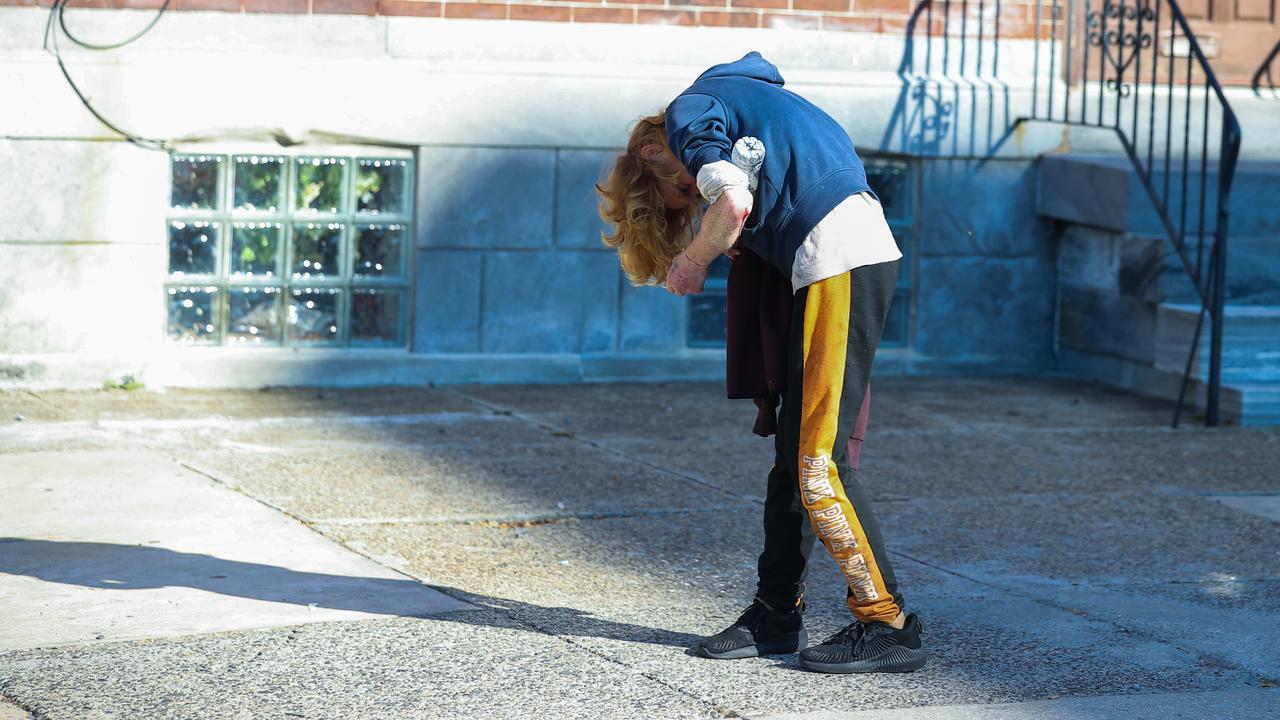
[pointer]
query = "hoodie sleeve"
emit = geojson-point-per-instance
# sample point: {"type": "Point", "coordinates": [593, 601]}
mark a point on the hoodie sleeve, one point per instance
{"type": "Point", "coordinates": [696, 131]}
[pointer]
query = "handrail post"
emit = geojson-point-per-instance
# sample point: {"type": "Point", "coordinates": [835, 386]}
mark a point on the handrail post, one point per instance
{"type": "Point", "coordinates": [1215, 338]}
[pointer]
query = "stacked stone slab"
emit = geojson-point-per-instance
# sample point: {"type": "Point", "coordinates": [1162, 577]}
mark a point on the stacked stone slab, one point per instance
{"type": "Point", "coordinates": [1127, 310]}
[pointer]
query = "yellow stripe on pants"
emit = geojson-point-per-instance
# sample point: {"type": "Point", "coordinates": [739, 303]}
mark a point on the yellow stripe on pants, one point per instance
{"type": "Point", "coordinates": [826, 336]}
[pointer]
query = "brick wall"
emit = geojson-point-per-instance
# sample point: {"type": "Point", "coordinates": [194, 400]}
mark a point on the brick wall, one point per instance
{"type": "Point", "coordinates": [1013, 18]}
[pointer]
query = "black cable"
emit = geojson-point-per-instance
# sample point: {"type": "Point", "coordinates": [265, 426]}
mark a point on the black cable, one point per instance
{"type": "Point", "coordinates": [51, 33]}
{"type": "Point", "coordinates": [62, 21]}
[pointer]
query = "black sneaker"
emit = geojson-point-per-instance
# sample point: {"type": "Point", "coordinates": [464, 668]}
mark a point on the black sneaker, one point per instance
{"type": "Point", "coordinates": [761, 630]}
{"type": "Point", "coordinates": [871, 647]}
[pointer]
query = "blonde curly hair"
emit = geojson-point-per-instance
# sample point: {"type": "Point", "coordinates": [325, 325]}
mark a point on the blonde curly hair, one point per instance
{"type": "Point", "coordinates": [647, 235]}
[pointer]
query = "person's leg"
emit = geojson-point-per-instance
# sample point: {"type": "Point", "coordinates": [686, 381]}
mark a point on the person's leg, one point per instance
{"type": "Point", "coordinates": [842, 320]}
{"type": "Point", "coordinates": [788, 536]}
{"type": "Point", "coordinates": [839, 324]}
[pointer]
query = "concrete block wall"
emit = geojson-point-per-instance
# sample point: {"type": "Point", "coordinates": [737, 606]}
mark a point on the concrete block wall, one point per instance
{"type": "Point", "coordinates": [1112, 325]}
{"type": "Point", "coordinates": [511, 122]}
{"type": "Point", "coordinates": [82, 253]}
{"type": "Point", "coordinates": [985, 274]}
{"type": "Point", "coordinates": [510, 260]}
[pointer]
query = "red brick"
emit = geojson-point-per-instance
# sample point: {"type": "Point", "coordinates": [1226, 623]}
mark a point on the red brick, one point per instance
{"type": "Point", "coordinates": [277, 6]}
{"type": "Point", "coordinates": [903, 7]}
{"type": "Point", "coordinates": [895, 23]}
{"type": "Point", "coordinates": [758, 3]}
{"type": "Point", "coordinates": [344, 7]}
{"type": "Point", "coordinates": [828, 5]}
{"type": "Point", "coordinates": [221, 5]}
{"type": "Point", "coordinates": [849, 23]}
{"type": "Point", "coordinates": [791, 22]}
{"type": "Point", "coordinates": [88, 3]}
{"type": "Point", "coordinates": [702, 3]}
{"type": "Point", "coordinates": [137, 4]}
{"type": "Point", "coordinates": [646, 2]}
{"type": "Point", "coordinates": [729, 19]}
{"type": "Point", "coordinates": [484, 11]}
{"type": "Point", "coordinates": [665, 17]}
{"type": "Point", "coordinates": [555, 13]}
{"type": "Point", "coordinates": [409, 8]}
{"type": "Point", "coordinates": [603, 15]}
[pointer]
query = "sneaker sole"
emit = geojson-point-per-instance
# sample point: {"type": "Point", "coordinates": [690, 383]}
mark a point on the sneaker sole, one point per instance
{"type": "Point", "coordinates": [790, 644]}
{"type": "Point", "coordinates": [897, 659]}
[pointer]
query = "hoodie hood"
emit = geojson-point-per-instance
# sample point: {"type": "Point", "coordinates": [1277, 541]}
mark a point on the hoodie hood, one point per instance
{"type": "Point", "coordinates": [752, 65]}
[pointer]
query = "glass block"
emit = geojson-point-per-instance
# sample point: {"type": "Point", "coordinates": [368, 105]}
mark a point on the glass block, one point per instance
{"type": "Point", "coordinates": [707, 320]}
{"type": "Point", "coordinates": [379, 251]}
{"type": "Point", "coordinates": [195, 182]}
{"type": "Point", "coordinates": [319, 184]}
{"type": "Point", "coordinates": [255, 249]}
{"type": "Point", "coordinates": [375, 315]}
{"type": "Point", "coordinates": [258, 180]}
{"type": "Point", "coordinates": [897, 324]}
{"type": "Point", "coordinates": [380, 185]}
{"type": "Point", "coordinates": [313, 315]}
{"type": "Point", "coordinates": [193, 248]}
{"type": "Point", "coordinates": [891, 182]}
{"type": "Point", "coordinates": [315, 249]}
{"type": "Point", "coordinates": [191, 315]}
{"type": "Point", "coordinates": [253, 315]}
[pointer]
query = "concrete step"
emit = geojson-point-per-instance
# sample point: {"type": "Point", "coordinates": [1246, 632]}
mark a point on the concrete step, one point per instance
{"type": "Point", "coordinates": [1253, 271]}
{"type": "Point", "coordinates": [1250, 354]}
{"type": "Point", "coordinates": [1260, 403]}
{"type": "Point", "coordinates": [1104, 191]}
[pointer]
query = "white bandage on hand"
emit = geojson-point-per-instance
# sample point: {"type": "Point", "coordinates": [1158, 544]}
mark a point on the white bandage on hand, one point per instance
{"type": "Point", "coordinates": [740, 177]}
{"type": "Point", "coordinates": [748, 155]}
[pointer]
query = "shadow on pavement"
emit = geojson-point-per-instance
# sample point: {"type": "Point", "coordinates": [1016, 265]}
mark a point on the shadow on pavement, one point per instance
{"type": "Point", "coordinates": [138, 567]}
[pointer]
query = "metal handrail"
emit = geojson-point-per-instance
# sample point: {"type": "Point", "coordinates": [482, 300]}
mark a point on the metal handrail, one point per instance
{"type": "Point", "coordinates": [1120, 33]}
{"type": "Point", "coordinates": [1264, 71]}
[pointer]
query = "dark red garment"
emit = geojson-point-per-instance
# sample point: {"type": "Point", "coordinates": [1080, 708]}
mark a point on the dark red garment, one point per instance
{"type": "Point", "coordinates": [759, 304]}
{"type": "Point", "coordinates": [759, 300]}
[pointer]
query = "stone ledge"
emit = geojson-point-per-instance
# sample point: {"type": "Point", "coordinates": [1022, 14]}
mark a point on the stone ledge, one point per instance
{"type": "Point", "coordinates": [1148, 381]}
{"type": "Point", "coordinates": [259, 367]}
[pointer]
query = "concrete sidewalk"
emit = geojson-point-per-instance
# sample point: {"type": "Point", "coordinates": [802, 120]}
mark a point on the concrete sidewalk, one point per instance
{"type": "Point", "coordinates": [1072, 557]}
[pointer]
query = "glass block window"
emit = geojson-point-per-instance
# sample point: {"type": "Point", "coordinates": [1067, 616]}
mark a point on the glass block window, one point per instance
{"type": "Point", "coordinates": [894, 182]}
{"type": "Point", "coordinates": [302, 250]}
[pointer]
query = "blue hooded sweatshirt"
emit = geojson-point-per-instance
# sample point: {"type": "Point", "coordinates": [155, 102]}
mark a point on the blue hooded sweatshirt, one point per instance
{"type": "Point", "coordinates": [810, 165]}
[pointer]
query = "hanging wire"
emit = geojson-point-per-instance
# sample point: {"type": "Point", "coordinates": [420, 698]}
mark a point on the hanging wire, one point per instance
{"type": "Point", "coordinates": [51, 32]}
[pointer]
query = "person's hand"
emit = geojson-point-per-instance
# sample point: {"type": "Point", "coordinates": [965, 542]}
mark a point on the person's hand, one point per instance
{"type": "Point", "coordinates": [734, 251]}
{"type": "Point", "coordinates": [685, 276]}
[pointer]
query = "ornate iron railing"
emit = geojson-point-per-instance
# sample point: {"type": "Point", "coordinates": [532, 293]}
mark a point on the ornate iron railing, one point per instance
{"type": "Point", "coordinates": [1135, 67]}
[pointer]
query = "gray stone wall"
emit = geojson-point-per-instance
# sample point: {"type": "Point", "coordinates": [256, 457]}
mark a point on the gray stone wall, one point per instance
{"type": "Point", "coordinates": [985, 274]}
{"type": "Point", "coordinates": [509, 259]}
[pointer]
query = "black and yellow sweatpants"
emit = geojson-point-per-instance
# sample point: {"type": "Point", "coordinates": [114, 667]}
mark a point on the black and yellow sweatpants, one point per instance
{"type": "Point", "coordinates": [813, 492]}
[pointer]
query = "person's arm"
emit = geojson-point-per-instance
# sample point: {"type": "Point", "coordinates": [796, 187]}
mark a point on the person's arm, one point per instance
{"type": "Point", "coordinates": [721, 225]}
{"type": "Point", "coordinates": [727, 188]}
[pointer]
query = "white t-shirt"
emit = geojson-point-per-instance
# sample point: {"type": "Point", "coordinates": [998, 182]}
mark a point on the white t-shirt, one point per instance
{"type": "Point", "coordinates": [852, 235]}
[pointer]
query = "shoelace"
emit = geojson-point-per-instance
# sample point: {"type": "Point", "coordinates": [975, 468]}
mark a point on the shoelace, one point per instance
{"type": "Point", "coordinates": [857, 635]}
{"type": "Point", "coordinates": [851, 635]}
